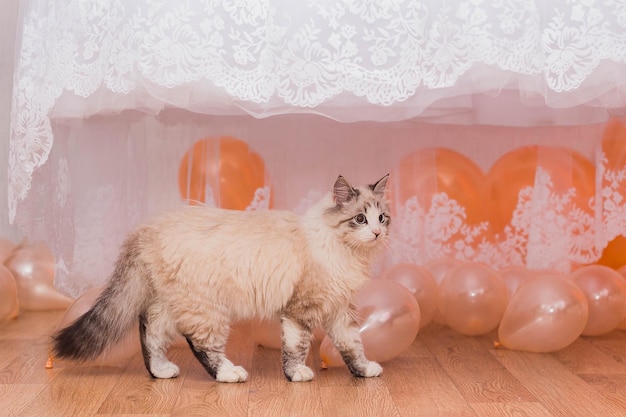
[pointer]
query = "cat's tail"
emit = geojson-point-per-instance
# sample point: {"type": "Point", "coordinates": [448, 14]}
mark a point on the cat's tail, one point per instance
{"type": "Point", "coordinates": [114, 312]}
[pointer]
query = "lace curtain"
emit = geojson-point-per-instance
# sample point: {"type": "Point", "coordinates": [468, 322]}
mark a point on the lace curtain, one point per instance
{"type": "Point", "coordinates": [110, 94]}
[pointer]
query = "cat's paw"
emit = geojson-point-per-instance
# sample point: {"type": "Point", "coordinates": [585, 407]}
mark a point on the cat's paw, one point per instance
{"type": "Point", "coordinates": [232, 374]}
{"type": "Point", "coordinates": [164, 370]}
{"type": "Point", "coordinates": [302, 373]}
{"type": "Point", "coordinates": [372, 369]}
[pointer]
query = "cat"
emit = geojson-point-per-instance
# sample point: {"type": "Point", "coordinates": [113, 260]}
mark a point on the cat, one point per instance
{"type": "Point", "coordinates": [195, 270]}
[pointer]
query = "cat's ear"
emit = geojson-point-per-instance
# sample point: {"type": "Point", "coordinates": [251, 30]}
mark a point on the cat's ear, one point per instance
{"type": "Point", "coordinates": [342, 191]}
{"type": "Point", "coordinates": [380, 185]}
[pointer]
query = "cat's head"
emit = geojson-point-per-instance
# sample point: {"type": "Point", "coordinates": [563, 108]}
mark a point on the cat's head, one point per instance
{"type": "Point", "coordinates": [360, 215]}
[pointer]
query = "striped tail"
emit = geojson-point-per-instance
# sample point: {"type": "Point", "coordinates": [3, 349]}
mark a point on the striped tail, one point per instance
{"type": "Point", "coordinates": [114, 313]}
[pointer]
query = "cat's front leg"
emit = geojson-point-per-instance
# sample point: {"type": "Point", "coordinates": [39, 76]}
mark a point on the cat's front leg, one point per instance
{"type": "Point", "coordinates": [344, 332]}
{"type": "Point", "coordinates": [296, 340]}
{"type": "Point", "coordinates": [209, 350]}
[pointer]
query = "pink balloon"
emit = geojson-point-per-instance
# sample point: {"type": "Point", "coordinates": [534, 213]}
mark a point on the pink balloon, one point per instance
{"type": "Point", "coordinates": [420, 283]}
{"type": "Point", "coordinates": [116, 355]}
{"type": "Point", "coordinates": [33, 268]}
{"type": "Point", "coordinates": [6, 248]}
{"type": "Point", "coordinates": [267, 333]}
{"type": "Point", "coordinates": [547, 313]}
{"type": "Point", "coordinates": [472, 298]}
{"type": "Point", "coordinates": [388, 324]}
{"type": "Point", "coordinates": [439, 268]}
{"type": "Point", "coordinates": [513, 276]}
{"type": "Point", "coordinates": [9, 304]}
{"type": "Point", "coordinates": [605, 290]}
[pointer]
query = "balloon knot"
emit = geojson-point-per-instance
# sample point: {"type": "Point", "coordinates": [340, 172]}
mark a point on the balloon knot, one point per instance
{"type": "Point", "coordinates": [497, 344]}
{"type": "Point", "coordinates": [323, 365]}
{"type": "Point", "coordinates": [49, 364]}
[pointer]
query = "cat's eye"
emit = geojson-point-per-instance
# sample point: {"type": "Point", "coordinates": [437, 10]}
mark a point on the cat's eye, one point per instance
{"type": "Point", "coordinates": [360, 218]}
{"type": "Point", "coordinates": [382, 218]}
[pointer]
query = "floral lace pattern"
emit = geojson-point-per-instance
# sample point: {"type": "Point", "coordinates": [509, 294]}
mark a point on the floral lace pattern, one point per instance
{"type": "Point", "coordinates": [261, 199]}
{"type": "Point", "coordinates": [547, 232]}
{"type": "Point", "coordinates": [278, 56]}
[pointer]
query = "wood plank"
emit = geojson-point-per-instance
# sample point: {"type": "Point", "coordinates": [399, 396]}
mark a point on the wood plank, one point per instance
{"type": "Point", "coordinates": [15, 398]}
{"type": "Point", "coordinates": [75, 391]}
{"type": "Point", "coordinates": [420, 387]}
{"type": "Point", "coordinates": [439, 375]}
{"type": "Point", "coordinates": [295, 399]}
{"type": "Point", "coordinates": [132, 415]}
{"type": "Point", "coordinates": [611, 345]}
{"type": "Point", "coordinates": [27, 365]}
{"type": "Point", "coordinates": [597, 360]}
{"type": "Point", "coordinates": [201, 395]}
{"type": "Point", "coordinates": [209, 398]}
{"type": "Point", "coordinates": [518, 409]}
{"type": "Point", "coordinates": [368, 397]}
{"type": "Point", "coordinates": [271, 394]}
{"type": "Point", "coordinates": [560, 391]}
{"type": "Point", "coordinates": [478, 376]}
{"type": "Point", "coordinates": [10, 350]}
{"type": "Point", "coordinates": [32, 325]}
{"type": "Point", "coordinates": [136, 392]}
{"type": "Point", "coordinates": [612, 387]}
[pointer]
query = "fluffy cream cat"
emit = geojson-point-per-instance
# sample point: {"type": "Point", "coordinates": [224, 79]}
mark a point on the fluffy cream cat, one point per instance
{"type": "Point", "coordinates": [196, 270]}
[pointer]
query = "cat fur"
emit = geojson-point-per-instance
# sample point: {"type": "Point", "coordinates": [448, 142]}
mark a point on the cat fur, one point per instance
{"type": "Point", "coordinates": [196, 270]}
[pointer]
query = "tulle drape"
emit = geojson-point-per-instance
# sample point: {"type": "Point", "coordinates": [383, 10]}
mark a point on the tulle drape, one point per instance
{"type": "Point", "coordinates": [109, 96]}
{"type": "Point", "coordinates": [107, 174]}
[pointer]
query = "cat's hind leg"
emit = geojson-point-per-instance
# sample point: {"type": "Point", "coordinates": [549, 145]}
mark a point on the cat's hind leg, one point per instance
{"type": "Point", "coordinates": [155, 334]}
{"type": "Point", "coordinates": [209, 348]}
{"type": "Point", "coordinates": [296, 340]}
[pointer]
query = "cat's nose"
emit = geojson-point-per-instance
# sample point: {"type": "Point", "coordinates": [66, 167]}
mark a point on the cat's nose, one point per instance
{"type": "Point", "coordinates": [376, 232]}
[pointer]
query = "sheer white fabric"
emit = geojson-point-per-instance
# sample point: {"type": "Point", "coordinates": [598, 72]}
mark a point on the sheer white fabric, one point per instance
{"type": "Point", "coordinates": [109, 94]}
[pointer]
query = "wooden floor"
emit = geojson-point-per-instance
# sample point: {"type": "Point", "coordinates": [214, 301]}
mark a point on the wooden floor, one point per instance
{"type": "Point", "coordinates": [442, 374]}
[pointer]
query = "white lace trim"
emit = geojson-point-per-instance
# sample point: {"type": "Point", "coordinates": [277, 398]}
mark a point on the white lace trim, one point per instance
{"type": "Point", "coordinates": [278, 56]}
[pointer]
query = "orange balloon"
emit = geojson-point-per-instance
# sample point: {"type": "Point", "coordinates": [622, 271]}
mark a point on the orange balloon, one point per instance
{"type": "Point", "coordinates": [6, 248]}
{"type": "Point", "coordinates": [267, 333]}
{"type": "Point", "coordinates": [472, 298]}
{"type": "Point", "coordinates": [33, 268]}
{"type": "Point", "coordinates": [427, 172]}
{"type": "Point", "coordinates": [605, 290]}
{"type": "Point", "coordinates": [513, 276]}
{"type": "Point", "coordinates": [9, 304]}
{"type": "Point", "coordinates": [516, 170]}
{"type": "Point", "coordinates": [420, 283]}
{"type": "Point", "coordinates": [439, 268]}
{"type": "Point", "coordinates": [225, 166]}
{"type": "Point", "coordinates": [548, 312]}
{"type": "Point", "coordinates": [116, 355]}
{"type": "Point", "coordinates": [389, 319]}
